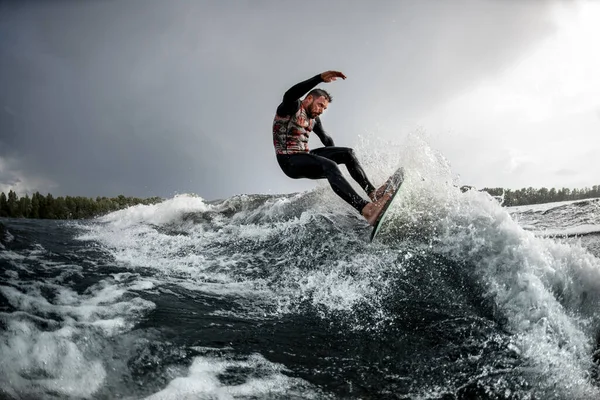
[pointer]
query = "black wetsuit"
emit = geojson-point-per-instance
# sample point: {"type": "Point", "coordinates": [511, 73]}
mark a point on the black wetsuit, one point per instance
{"type": "Point", "coordinates": [291, 131]}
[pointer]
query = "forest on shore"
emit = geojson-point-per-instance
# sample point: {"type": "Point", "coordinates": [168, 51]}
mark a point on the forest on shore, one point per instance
{"type": "Point", "coordinates": [50, 207]}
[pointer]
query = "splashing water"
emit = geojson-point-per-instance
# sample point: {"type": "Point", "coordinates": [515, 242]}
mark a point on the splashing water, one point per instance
{"type": "Point", "coordinates": [189, 297]}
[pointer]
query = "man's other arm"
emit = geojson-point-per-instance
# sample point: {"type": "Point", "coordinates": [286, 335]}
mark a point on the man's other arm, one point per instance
{"type": "Point", "coordinates": [320, 132]}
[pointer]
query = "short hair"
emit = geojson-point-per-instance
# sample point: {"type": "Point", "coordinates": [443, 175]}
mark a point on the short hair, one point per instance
{"type": "Point", "coordinates": [316, 93]}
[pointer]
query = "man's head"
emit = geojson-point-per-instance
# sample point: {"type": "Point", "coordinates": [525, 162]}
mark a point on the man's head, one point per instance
{"type": "Point", "coordinates": [316, 102]}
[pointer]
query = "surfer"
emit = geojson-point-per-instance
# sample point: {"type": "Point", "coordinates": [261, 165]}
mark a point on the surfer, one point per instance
{"type": "Point", "coordinates": [294, 120]}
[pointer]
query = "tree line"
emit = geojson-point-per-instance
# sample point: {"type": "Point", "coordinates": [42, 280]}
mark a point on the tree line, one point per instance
{"type": "Point", "coordinates": [531, 195]}
{"type": "Point", "coordinates": [49, 207]}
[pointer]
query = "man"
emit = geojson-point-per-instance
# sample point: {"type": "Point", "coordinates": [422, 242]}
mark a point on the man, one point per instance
{"type": "Point", "coordinates": [294, 121]}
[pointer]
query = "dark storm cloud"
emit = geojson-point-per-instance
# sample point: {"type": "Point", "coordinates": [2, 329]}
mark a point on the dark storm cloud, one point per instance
{"type": "Point", "coordinates": [151, 98]}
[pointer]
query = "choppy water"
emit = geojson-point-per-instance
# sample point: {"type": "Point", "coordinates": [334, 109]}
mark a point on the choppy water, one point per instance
{"type": "Point", "coordinates": [282, 297]}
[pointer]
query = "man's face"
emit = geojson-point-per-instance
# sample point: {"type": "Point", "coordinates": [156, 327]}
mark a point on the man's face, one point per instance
{"type": "Point", "coordinates": [317, 106]}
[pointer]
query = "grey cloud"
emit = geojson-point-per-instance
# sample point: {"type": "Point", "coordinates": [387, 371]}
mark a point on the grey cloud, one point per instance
{"type": "Point", "coordinates": [151, 98]}
{"type": "Point", "coordinates": [566, 172]}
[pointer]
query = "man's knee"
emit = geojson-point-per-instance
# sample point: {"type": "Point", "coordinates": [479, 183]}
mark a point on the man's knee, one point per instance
{"type": "Point", "coordinates": [330, 168]}
{"type": "Point", "coordinates": [351, 156]}
{"type": "Point", "coordinates": [344, 155]}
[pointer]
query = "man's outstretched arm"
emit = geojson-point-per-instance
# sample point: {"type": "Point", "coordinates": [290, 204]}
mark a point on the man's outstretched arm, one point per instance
{"type": "Point", "coordinates": [300, 89]}
{"type": "Point", "coordinates": [290, 102]}
{"type": "Point", "coordinates": [320, 132]}
{"type": "Point", "coordinates": [291, 98]}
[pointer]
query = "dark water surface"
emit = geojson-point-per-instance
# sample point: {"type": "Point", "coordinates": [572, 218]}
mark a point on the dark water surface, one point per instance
{"type": "Point", "coordinates": [279, 297]}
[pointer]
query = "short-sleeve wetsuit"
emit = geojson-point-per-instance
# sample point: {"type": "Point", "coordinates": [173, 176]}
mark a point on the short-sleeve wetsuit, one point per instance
{"type": "Point", "coordinates": [291, 129]}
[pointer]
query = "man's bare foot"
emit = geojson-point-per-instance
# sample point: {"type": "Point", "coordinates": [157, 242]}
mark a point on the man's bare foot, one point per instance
{"type": "Point", "coordinates": [372, 210]}
{"type": "Point", "coordinates": [391, 185]}
{"type": "Point", "coordinates": [379, 192]}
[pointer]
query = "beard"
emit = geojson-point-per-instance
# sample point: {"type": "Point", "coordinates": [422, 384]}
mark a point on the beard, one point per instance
{"type": "Point", "coordinates": [309, 112]}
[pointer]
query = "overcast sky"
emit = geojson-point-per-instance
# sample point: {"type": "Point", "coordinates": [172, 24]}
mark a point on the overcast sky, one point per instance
{"type": "Point", "coordinates": [148, 98]}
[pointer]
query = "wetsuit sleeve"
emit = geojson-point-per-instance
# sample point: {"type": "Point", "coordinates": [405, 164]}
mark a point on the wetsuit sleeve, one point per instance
{"type": "Point", "coordinates": [320, 132]}
{"type": "Point", "coordinates": [291, 98]}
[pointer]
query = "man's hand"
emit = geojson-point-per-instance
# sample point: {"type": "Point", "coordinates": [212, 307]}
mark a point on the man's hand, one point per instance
{"type": "Point", "coordinates": [330, 76]}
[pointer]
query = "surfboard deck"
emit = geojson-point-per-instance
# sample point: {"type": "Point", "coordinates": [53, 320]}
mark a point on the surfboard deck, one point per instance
{"type": "Point", "coordinates": [395, 182]}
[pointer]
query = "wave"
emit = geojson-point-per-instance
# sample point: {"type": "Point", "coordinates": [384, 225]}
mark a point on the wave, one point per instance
{"type": "Point", "coordinates": [71, 319]}
{"type": "Point", "coordinates": [458, 297]}
{"type": "Point", "coordinates": [446, 258]}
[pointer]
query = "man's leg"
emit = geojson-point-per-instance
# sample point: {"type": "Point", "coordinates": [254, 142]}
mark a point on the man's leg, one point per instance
{"type": "Point", "coordinates": [345, 155]}
{"type": "Point", "coordinates": [305, 165]}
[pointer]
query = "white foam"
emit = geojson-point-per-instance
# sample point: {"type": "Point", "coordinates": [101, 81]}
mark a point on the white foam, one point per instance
{"type": "Point", "coordinates": [579, 230]}
{"type": "Point", "coordinates": [160, 213]}
{"type": "Point", "coordinates": [336, 286]}
{"type": "Point", "coordinates": [35, 363]}
{"type": "Point", "coordinates": [264, 380]}
{"type": "Point", "coordinates": [224, 256]}
{"type": "Point", "coordinates": [142, 285]}
{"type": "Point", "coordinates": [48, 344]}
{"type": "Point", "coordinates": [547, 290]}
{"type": "Point", "coordinates": [273, 208]}
{"type": "Point", "coordinates": [103, 302]}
